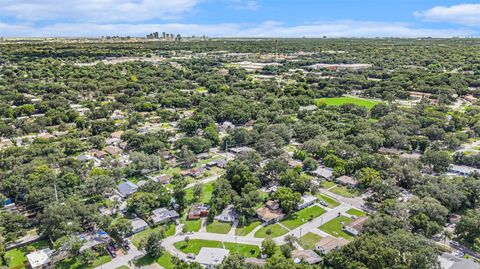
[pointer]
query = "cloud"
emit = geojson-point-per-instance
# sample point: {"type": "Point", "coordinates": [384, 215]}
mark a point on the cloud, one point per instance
{"type": "Point", "coordinates": [347, 28]}
{"type": "Point", "coordinates": [95, 10]}
{"type": "Point", "coordinates": [464, 14]}
{"type": "Point", "coordinates": [244, 4]}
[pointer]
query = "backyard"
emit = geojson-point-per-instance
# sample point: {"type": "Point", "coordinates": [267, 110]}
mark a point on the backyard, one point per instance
{"type": "Point", "coordinates": [17, 258]}
{"type": "Point", "coordinates": [344, 191]}
{"type": "Point", "coordinates": [168, 230]}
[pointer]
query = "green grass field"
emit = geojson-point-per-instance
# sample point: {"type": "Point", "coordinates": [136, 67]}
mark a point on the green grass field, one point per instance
{"type": "Point", "coordinates": [244, 230]}
{"type": "Point", "coordinates": [344, 191]}
{"type": "Point", "coordinates": [193, 225]}
{"type": "Point", "coordinates": [206, 193]}
{"type": "Point", "coordinates": [276, 230]}
{"type": "Point", "coordinates": [337, 101]}
{"type": "Point", "coordinates": [166, 260]}
{"type": "Point", "coordinates": [248, 251]}
{"type": "Point", "coordinates": [309, 240]}
{"type": "Point", "coordinates": [123, 267]}
{"type": "Point", "coordinates": [332, 203]}
{"type": "Point", "coordinates": [335, 227]}
{"type": "Point", "coordinates": [327, 184]}
{"type": "Point", "coordinates": [219, 227]}
{"type": "Point", "coordinates": [300, 217]}
{"type": "Point", "coordinates": [195, 245]}
{"type": "Point", "coordinates": [356, 212]}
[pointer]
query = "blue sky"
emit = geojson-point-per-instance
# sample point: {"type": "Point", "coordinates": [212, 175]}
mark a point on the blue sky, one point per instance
{"type": "Point", "coordinates": [241, 18]}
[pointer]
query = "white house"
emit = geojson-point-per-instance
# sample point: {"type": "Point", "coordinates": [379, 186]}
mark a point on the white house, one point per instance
{"type": "Point", "coordinates": [211, 257]}
{"type": "Point", "coordinates": [40, 258]}
{"type": "Point", "coordinates": [229, 214]}
{"type": "Point", "coordinates": [355, 227]}
{"type": "Point", "coordinates": [138, 225]}
{"type": "Point", "coordinates": [307, 200]}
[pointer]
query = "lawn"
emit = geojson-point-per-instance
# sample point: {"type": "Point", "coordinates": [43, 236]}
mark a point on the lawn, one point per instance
{"type": "Point", "coordinates": [335, 227]}
{"type": "Point", "coordinates": [356, 212]}
{"type": "Point", "coordinates": [193, 225]}
{"type": "Point", "coordinates": [337, 101]}
{"type": "Point", "coordinates": [344, 191]}
{"type": "Point", "coordinates": [206, 193]}
{"type": "Point", "coordinates": [244, 230]}
{"type": "Point", "coordinates": [300, 217]}
{"type": "Point", "coordinates": [166, 260]}
{"type": "Point", "coordinates": [332, 203]}
{"type": "Point", "coordinates": [327, 184]}
{"type": "Point", "coordinates": [248, 251]}
{"type": "Point", "coordinates": [219, 227]}
{"type": "Point", "coordinates": [123, 267]}
{"type": "Point", "coordinates": [72, 263]}
{"type": "Point", "coordinates": [143, 235]}
{"type": "Point", "coordinates": [195, 245]}
{"type": "Point", "coordinates": [17, 257]}
{"type": "Point", "coordinates": [309, 240]}
{"type": "Point", "coordinates": [275, 231]}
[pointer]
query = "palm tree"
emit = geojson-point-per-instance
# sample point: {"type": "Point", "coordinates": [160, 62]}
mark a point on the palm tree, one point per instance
{"type": "Point", "coordinates": [290, 239]}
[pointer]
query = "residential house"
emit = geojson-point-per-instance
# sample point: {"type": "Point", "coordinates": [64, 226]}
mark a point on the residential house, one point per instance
{"type": "Point", "coordinates": [203, 156]}
{"type": "Point", "coordinates": [271, 212]}
{"type": "Point", "coordinates": [117, 134]}
{"type": "Point", "coordinates": [462, 170]}
{"type": "Point", "coordinates": [307, 200]}
{"type": "Point", "coordinates": [229, 214]}
{"type": "Point", "coordinates": [197, 172]}
{"type": "Point", "coordinates": [185, 173]}
{"type": "Point", "coordinates": [322, 173]}
{"type": "Point", "coordinates": [329, 243]}
{"type": "Point", "coordinates": [90, 240]}
{"type": "Point", "coordinates": [211, 257]}
{"type": "Point", "coordinates": [99, 154]}
{"type": "Point", "coordinates": [454, 218]}
{"type": "Point", "coordinates": [138, 225]}
{"type": "Point", "coordinates": [237, 150]}
{"type": "Point", "coordinates": [356, 226]}
{"type": "Point", "coordinates": [347, 181]}
{"type": "Point", "coordinates": [163, 215]}
{"type": "Point", "coordinates": [308, 256]}
{"type": "Point", "coordinates": [40, 259]}
{"type": "Point", "coordinates": [221, 163]}
{"type": "Point", "coordinates": [198, 211]}
{"type": "Point", "coordinates": [112, 150]}
{"type": "Point", "coordinates": [127, 189]}
{"type": "Point", "coordinates": [164, 179]}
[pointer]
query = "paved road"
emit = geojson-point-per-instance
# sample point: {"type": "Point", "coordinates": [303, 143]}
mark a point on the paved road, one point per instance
{"type": "Point", "coordinates": [133, 254]}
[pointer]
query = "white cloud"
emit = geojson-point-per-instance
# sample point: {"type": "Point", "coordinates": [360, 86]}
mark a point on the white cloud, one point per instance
{"type": "Point", "coordinates": [266, 29]}
{"type": "Point", "coordinates": [244, 4]}
{"type": "Point", "coordinates": [95, 10]}
{"type": "Point", "coordinates": [465, 14]}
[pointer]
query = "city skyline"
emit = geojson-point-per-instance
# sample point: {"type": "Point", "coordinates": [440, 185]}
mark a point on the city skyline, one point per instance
{"type": "Point", "coordinates": [237, 18]}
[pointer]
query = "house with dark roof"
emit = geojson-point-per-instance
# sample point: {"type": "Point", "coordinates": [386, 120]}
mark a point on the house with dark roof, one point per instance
{"type": "Point", "coordinates": [329, 243]}
{"type": "Point", "coordinates": [163, 215]}
{"type": "Point", "coordinates": [127, 189]}
{"type": "Point", "coordinates": [198, 211]}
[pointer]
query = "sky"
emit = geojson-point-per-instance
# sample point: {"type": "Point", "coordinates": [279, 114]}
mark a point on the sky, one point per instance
{"type": "Point", "coordinates": [240, 18]}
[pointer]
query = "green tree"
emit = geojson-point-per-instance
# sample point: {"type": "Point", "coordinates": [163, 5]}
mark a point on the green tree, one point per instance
{"type": "Point", "coordinates": [287, 199]}
{"type": "Point", "coordinates": [269, 247]}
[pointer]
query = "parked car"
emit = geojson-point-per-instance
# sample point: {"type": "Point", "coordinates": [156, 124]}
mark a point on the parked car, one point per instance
{"type": "Point", "coordinates": [323, 203]}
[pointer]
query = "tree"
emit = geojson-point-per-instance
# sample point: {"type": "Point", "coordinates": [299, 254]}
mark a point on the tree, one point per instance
{"type": "Point", "coordinates": [438, 161]}
{"type": "Point", "coordinates": [290, 239]}
{"type": "Point", "coordinates": [2, 250]}
{"type": "Point", "coordinates": [286, 250]}
{"type": "Point", "coordinates": [179, 193]}
{"type": "Point", "coordinates": [210, 132]}
{"type": "Point", "coordinates": [197, 191]}
{"type": "Point", "coordinates": [269, 247]}
{"type": "Point", "coordinates": [367, 176]}
{"type": "Point", "coordinates": [87, 257]}
{"type": "Point", "coordinates": [119, 228]}
{"type": "Point", "coordinates": [70, 244]}
{"type": "Point", "coordinates": [187, 157]}
{"type": "Point", "coordinates": [287, 199]}
{"type": "Point", "coordinates": [239, 175]}
{"type": "Point", "coordinates": [467, 230]}
{"type": "Point", "coordinates": [310, 164]}
{"type": "Point", "coordinates": [153, 245]}
{"type": "Point", "coordinates": [397, 250]}
{"type": "Point", "coordinates": [186, 239]}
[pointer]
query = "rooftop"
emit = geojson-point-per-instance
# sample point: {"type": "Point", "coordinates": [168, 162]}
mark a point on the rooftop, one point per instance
{"type": "Point", "coordinates": [211, 256]}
